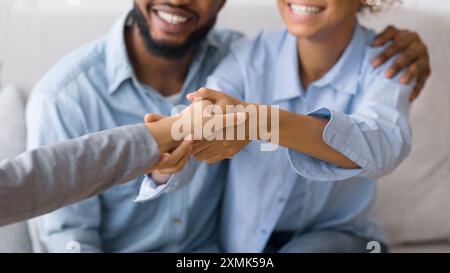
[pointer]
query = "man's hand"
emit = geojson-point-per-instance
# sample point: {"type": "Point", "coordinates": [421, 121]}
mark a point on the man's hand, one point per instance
{"type": "Point", "coordinates": [413, 57]}
{"type": "Point", "coordinates": [217, 150]}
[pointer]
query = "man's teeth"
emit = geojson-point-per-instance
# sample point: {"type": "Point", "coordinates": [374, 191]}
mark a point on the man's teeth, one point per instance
{"type": "Point", "coordinates": [172, 18]}
{"type": "Point", "coordinates": [305, 10]}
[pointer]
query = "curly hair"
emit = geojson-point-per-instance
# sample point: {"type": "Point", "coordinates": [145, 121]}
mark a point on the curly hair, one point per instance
{"type": "Point", "coordinates": [378, 5]}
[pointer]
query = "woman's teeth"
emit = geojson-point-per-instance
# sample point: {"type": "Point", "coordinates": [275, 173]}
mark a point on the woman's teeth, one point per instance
{"type": "Point", "coordinates": [305, 10]}
{"type": "Point", "coordinates": [172, 18]}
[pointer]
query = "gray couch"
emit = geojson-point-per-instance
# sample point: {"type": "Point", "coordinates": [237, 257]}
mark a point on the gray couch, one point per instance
{"type": "Point", "coordinates": [413, 202]}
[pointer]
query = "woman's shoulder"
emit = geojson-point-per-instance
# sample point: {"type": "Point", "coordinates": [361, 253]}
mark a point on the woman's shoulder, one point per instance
{"type": "Point", "coordinates": [370, 53]}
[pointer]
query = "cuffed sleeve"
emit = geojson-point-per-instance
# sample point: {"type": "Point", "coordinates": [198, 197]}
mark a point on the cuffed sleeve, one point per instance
{"type": "Point", "coordinates": [150, 190]}
{"type": "Point", "coordinates": [376, 136]}
{"type": "Point", "coordinates": [335, 136]}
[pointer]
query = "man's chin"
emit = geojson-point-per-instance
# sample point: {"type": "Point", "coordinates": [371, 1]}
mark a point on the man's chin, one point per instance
{"type": "Point", "coordinates": [173, 43]}
{"type": "Point", "coordinates": [169, 49]}
{"type": "Point", "coordinates": [162, 37]}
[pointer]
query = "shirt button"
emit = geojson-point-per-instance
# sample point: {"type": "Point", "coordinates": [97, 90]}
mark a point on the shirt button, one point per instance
{"type": "Point", "coordinates": [177, 221]}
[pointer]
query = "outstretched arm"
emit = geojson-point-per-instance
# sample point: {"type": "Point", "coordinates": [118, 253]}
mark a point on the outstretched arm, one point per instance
{"type": "Point", "coordinates": [371, 141]}
{"type": "Point", "coordinates": [298, 132]}
{"type": "Point", "coordinates": [30, 184]}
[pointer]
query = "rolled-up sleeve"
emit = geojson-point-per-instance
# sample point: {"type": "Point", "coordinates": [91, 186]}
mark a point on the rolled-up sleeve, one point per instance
{"type": "Point", "coordinates": [376, 135]}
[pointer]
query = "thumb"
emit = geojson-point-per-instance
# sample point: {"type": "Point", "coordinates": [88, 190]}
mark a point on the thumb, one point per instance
{"type": "Point", "coordinates": [222, 122]}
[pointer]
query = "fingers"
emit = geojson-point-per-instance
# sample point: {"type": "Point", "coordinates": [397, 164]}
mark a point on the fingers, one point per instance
{"type": "Point", "coordinates": [411, 73]}
{"type": "Point", "coordinates": [179, 165]}
{"type": "Point", "coordinates": [206, 94]}
{"type": "Point", "coordinates": [400, 63]}
{"type": "Point", "coordinates": [202, 145]}
{"type": "Point", "coordinates": [420, 63]}
{"type": "Point", "coordinates": [215, 159]}
{"type": "Point", "coordinates": [402, 41]}
{"type": "Point", "coordinates": [159, 177]}
{"type": "Point", "coordinates": [387, 35]}
{"type": "Point", "coordinates": [152, 117]}
{"type": "Point", "coordinates": [174, 162]}
{"type": "Point", "coordinates": [228, 120]}
{"type": "Point", "coordinates": [401, 44]}
{"type": "Point", "coordinates": [421, 81]}
{"type": "Point", "coordinates": [385, 55]}
{"type": "Point", "coordinates": [211, 152]}
{"type": "Point", "coordinates": [233, 119]}
{"type": "Point", "coordinates": [416, 92]}
{"type": "Point", "coordinates": [415, 54]}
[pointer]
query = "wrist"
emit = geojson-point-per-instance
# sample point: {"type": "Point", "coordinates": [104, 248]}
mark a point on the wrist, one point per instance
{"type": "Point", "coordinates": [161, 131]}
{"type": "Point", "coordinates": [258, 124]}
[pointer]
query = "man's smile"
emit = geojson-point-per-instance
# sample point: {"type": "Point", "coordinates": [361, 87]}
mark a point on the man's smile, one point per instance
{"type": "Point", "coordinates": [172, 20]}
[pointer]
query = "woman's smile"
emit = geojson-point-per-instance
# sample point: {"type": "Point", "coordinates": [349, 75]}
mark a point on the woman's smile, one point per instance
{"type": "Point", "coordinates": [302, 12]}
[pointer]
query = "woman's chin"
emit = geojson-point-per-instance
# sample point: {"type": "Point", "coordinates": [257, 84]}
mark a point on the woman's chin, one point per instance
{"type": "Point", "coordinates": [302, 32]}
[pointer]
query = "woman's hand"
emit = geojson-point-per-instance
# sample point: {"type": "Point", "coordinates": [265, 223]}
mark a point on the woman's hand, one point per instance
{"type": "Point", "coordinates": [216, 97]}
{"type": "Point", "coordinates": [413, 57]}
{"type": "Point", "coordinates": [194, 117]}
{"type": "Point", "coordinates": [213, 151]}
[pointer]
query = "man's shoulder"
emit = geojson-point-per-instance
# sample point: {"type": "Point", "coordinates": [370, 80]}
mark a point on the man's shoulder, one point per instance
{"type": "Point", "coordinates": [224, 37]}
{"type": "Point", "coordinates": [70, 70]}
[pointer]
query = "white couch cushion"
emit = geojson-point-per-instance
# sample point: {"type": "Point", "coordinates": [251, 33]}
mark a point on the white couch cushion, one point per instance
{"type": "Point", "coordinates": [414, 201]}
{"type": "Point", "coordinates": [14, 238]}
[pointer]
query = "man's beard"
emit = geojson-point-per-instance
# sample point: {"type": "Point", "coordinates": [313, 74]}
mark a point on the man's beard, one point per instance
{"type": "Point", "coordinates": [166, 50]}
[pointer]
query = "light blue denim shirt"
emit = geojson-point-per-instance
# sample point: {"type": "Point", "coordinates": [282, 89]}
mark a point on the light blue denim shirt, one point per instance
{"type": "Point", "coordinates": [287, 190]}
{"type": "Point", "coordinates": [94, 89]}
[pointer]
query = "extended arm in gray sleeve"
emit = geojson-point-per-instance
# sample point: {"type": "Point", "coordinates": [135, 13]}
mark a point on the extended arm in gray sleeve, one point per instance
{"type": "Point", "coordinates": [45, 179]}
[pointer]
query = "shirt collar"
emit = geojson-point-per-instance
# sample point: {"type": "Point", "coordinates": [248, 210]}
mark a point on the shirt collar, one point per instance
{"type": "Point", "coordinates": [342, 76]}
{"type": "Point", "coordinates": [287, 82]}
{"type": "Point", "coordinates": [118, 65]}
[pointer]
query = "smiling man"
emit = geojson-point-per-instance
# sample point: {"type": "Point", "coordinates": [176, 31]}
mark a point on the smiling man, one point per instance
{"type": "Point", "coordinates": [152, 57]}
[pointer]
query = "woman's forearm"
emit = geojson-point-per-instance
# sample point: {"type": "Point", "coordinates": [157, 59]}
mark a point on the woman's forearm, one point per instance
{"type": "Point", "coordinates": [305, 134]}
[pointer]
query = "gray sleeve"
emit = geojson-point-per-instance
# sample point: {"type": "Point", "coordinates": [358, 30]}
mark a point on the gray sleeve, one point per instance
{"type": "Point", "coordinates": [51, 177]}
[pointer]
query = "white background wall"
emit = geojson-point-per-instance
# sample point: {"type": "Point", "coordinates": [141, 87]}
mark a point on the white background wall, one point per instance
{"type": "Point", "coordinates": [37, 33]}
{"type": "Point", "coordinates": [119, 5]}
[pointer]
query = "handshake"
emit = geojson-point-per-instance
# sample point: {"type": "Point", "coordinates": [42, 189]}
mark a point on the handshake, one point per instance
{"type": "Point", "coordinates": [213, 128]}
